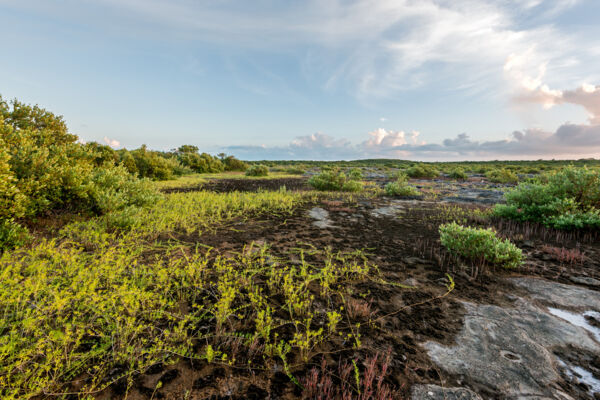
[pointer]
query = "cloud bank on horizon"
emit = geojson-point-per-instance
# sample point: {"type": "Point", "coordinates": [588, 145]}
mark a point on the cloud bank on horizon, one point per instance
{"type": "Point", "coordinates": [539, 59]}
{"type": "Point", "coordinates": [568, 141]}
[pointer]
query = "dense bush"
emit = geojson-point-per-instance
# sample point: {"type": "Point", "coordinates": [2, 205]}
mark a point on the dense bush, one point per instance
{"type": "Point", "coordinates": [43, 167]}
{"type": "Point", "coordinates": [401, 187]}
{"type": "Point", "coordinates": [480, 245]}
{"type": "Point", "coordinates": [458, 174]}
{"type": "Point", "coordinates": [11, 234]}
{"type": "Point", "coordinates": [257, 170]}
{"type": "Point", "coordinates": [155, 165]}
{"type": "Point", "coordinates": [502, 175]}
{"type": "Point", "coordinates": [422, 171]}
{"type": "Point", "coordinates": [564, 199]}
{"type": "Point", "coordinates": [231, 163]}
{"type": "Point", "coordinates": [335, 180]}
{"type": "Point", "coordinates": [355, 174]}
{"type": "Point", "coordinates": [295, 171]}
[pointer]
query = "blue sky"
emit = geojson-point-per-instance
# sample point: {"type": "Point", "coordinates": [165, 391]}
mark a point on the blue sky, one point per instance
{"type": "Point", "coordinates": [315, 79]}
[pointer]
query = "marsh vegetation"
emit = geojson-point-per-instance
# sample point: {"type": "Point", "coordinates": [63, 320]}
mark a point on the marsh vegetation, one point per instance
{"type": "Point", "coordinates": [144, 274]}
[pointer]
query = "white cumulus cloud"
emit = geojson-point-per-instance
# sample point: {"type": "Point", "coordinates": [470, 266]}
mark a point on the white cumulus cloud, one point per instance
{"type": "Point", "coordinates": [112, 142]}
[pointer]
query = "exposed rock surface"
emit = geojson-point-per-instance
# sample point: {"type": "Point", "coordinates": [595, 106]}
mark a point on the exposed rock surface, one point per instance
{"type": "Point", "coordinates": [511, 350]}
{"type": "Point", "coordinates": [559, 294]}
{"type": "Point", "coordinates": [585, 280]}
{"type": "Point", "coordinates": [434, 392]}
{"type": "Point", "coordinates": [321, 217]}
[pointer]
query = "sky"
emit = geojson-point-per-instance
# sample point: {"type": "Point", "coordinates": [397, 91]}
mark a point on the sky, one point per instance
{"type": "Point", "coordinates": [314, 79]}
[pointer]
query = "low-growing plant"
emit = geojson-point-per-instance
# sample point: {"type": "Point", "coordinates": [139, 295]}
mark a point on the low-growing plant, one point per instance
{"type": "Point", "coordinates": [401, 189]}
{"type": "Point", "coordinates": [295, 171]}
{"type": "Point", "coordinates": [564, 255]}
{"type": "Point", "coordinates": [355, 174]}
{"type": "Point", "coordinates": [257, 170]}
{"type": "Point", "coordinates": [11, 235]}
{"type": "Point", "coordinates": [348, 382]}
{"type": "Point", "coordinates": [480, 245]}
{"type": "Point", "coordinates": [458, 174]}
{"type": "Point", "coordinates": [502, 175]}
{"type": "Point", "coordinates": [565, 199]}
{"type": "Point", "coordinates": [422, 171]}
{"type": "Point", "coordinates": [335, 180]}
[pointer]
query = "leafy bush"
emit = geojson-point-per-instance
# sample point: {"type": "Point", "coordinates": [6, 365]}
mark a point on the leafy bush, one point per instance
{"type": "Point", "coordinates": [480, 245]}
{"type": "Point", "coordinates": [564, 199]}
{"type": "Point", "coordinates": [295, 171]}
{"type": "Point", "coordinates": [233, 164]}
{"type": "Point", "coordinates": [257, 170]}
{"type": "Point", "coordinates": [352, 186]}
{"type": "Point", "coordinates": [43, 167]}
{"type": "Point", "coordinates": [355, 174]}
{"type": "Point", "coordinates": [155, 165]}
{"type": "Point", "coordinates": [422, 171]}
{"type": "Point", "coordinates": [401, 187]}
{"type": "Point", "coordinates": [114, 189]}
{"type": "Point", "coordinates": [502, 175]}
{"type": "Point", "coordinates": [335, 180]}
{"type": "Point", "coordinates": [458, 173]}
{"type": "Point", "coordinates": [11, 235]}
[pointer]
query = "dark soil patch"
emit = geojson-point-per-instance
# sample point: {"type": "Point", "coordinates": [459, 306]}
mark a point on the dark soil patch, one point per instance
{"type": "Point", "coordinates": [407, 251]}
{"type": "Point", "coordinates": [245, 185]}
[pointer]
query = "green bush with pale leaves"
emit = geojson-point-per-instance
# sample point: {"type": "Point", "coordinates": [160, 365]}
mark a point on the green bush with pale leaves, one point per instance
{"type": "Point", "coordinates": [480, 245]}
{"type": "Point", "coordinates": [43, 167]}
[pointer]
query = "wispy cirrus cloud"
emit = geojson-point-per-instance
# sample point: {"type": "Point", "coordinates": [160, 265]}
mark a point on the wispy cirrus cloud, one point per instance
{"type": "Point", "coordinates": [372, 48]}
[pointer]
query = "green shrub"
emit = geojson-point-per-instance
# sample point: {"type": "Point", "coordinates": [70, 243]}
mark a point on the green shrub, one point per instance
{"type": "Point", "coordinates": [565, 199]}
{"type": "Point", "coordinates": [401, 187]}
{"type": "Point", "coordinates": [295, 171]}
{"type": "Point", "coordinates": [355, 174]}
{"type": "Point", "coordinates": [335, 180]}
{"type": "Point", "coordinates": [257, 170]}
{"type": "Point", "coordinates": [157, 165]}
{"type": "Point", "coordinates": [233, 164]}
{"type": "Point", "coordinates": [458, 174]}
{"type": "Point", "coordinates": [502, 175]}
{"type": "Point", "coordinates": [480, 245]}
{"type": "Point", "coordinates": [114, 189]}
{"type": "Point", "coordinates": [43, 167]}
{"type": "Point", "coordinates": [352, 186]}
{"type": "Point", "coordinates": [422, 171]}
{"type": "Point", "coordinates": [11, 235]}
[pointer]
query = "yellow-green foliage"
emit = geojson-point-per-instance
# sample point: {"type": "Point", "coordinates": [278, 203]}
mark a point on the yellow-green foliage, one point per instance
{"type": "Point", "coordinates": [182, 182]}
{"type": "Point", "coordinates": [69, 313]}
{"type": "Point", "coordinates": [502, 175]}
{"type": "Point", "coordinates": [401, 187]}
{"type": "Point", "coordinates": [44, 167]}
{"type": "Point", "coordinates": [336, 180]}
{"type": "Point", "coordinates": [480, 245]}
{"type": "Point", "coordinates": [152, 164]}
{"type": "Point", "coordinates": [12, 202]}
{"type": "Point", "coordinates": [422, 171]}
{"type": "Point", "coordinates": [257, 170]}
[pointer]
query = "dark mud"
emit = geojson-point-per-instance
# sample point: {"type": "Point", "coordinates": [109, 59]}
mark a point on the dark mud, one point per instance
{"type": "Point", "coordinates": [401, 239]}
{"type": "Point", "coordinates": [245, 185]}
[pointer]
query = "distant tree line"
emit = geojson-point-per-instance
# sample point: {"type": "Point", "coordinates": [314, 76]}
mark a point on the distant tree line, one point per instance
{"type": "Point", "coordinates": [162, 165]}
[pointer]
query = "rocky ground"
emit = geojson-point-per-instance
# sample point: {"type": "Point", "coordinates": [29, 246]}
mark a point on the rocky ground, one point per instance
{"type": "Point", "coordinates": [530, 333]}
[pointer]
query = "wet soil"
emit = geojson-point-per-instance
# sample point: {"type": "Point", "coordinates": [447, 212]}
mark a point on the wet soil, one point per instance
{"type": "Point", "coordinates": [402, 240]}
{"type": "Point", "coordinates": [245, 185]}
